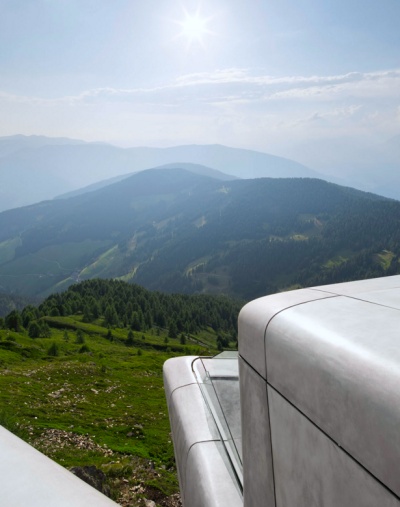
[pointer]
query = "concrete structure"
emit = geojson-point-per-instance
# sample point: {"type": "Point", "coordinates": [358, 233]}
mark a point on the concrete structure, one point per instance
{"type": "Point", "coordinates": [29, 478]}
{"type": "Point", "coordinates": [319, 384]}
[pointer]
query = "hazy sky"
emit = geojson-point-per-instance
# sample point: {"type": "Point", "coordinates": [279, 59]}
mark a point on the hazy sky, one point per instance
{"type": "Point", "coordinates": [265, 74]}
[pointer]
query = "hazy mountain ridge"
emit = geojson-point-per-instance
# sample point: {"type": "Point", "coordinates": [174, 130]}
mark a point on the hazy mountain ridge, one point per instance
{"type": "Point", "coordinates": [173, 230]}
{"type": "Point", "coordinates": [41, 171]}
{"type": "Point", "coordinates": [194, 168]}
{"type": "Point", "coordinates": [362, 163]}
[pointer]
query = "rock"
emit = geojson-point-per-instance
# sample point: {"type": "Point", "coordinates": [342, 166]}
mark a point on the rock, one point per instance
{"type": "Point", "coordinates": [149, 503]}
{"type": "Point", "coordinates": [130, 434]}
{"type": "Point", "coordinates": [94, 477]}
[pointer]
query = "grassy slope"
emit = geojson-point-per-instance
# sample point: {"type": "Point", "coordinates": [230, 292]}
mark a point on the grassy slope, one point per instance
{"type": "Point", "coordinates": [41, 272]}
{"type": "Point", "coordinates": [106, 394]}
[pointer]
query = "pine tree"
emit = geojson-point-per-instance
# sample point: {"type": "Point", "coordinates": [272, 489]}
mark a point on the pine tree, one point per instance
{"type": "Point", "coordinates": [53, 350]}
{"type": "Point", "coordinates": [34, 330]}
{"type": "Point", "coordinates": [173, 332]}
{"type": "Point", "coordinates": [79, 336]}
{"type": "Point", "coordinates": [130, 339]}
{"type": "Point", "coordinates": [87, 317]}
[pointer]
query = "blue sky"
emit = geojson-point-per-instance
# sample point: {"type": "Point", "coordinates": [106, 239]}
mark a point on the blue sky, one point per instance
{"type": "Point", "coordinates": [266, 75]}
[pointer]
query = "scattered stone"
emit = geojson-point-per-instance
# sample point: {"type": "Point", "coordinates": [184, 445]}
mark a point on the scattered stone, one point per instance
{"type": "Point", "coordinates": [94, 477]}
{"type": "Point", "coordinates": [130, 434]}
{"type": "Point", "coordinates": [149, 503]}
{"type": "Point", "coordinates": [53, 440]}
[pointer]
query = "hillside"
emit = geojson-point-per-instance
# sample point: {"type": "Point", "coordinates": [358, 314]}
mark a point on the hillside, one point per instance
{"type": "Point", "coordinates": [9, 302]}
{"type": "Point", "coordinates": [193, 168]}
{"type": "Point", "coordinates": [81, 378]}
{"type": "Point", "coordinates": [175, 231]}
{"type": "Point", "coordinates": [37, 171]}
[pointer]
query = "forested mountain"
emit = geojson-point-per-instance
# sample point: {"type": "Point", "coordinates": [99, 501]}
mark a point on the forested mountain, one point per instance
{"type": "Point", "coordinates": [120, 304]}
{"type": "Point", "coordinates": [39, 168]}
{"type": "Point", "coordinates": [193, 168]}
{"type": "Point", "coordinates": [10, 302]}
{"type": "Point", "coordinates": [175, 231]}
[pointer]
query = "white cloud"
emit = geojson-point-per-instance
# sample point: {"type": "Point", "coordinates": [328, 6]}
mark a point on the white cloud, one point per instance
{"type": "Point", "coordinates": [228, 106]}
{"type": "Point", "coordinates": [238, 85]}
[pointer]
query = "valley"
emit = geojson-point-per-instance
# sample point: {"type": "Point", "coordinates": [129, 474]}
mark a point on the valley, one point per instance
{"type": "Point", "coordinates": [176, 231]}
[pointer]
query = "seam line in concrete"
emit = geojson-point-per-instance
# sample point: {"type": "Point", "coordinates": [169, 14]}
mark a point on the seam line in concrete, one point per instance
{"type": "Point", "coordinates": [334, 442]}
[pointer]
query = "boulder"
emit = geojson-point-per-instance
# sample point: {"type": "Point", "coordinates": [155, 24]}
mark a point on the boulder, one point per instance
{"type": "Point", "coordinates": [94, 477]}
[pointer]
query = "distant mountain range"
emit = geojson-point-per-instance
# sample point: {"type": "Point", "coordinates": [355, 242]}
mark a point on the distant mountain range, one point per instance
{"type": "Point", "coordinates": [38, 168]}
{"type": "Point", "coordinates": [177, 231]}
{"type": "Point", "coordinates": [372, 166]}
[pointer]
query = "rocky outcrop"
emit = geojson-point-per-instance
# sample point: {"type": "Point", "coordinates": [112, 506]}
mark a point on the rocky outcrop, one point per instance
{"type": "Point", "coordinates": [94, 477]}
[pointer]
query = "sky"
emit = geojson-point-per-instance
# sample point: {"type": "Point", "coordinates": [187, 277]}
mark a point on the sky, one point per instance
{"type": "Point", "coordinates": [266, 75]}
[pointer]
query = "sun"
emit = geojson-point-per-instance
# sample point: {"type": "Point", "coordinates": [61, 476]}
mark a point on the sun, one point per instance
{"type": "Point", "coordinates": [194, 27]}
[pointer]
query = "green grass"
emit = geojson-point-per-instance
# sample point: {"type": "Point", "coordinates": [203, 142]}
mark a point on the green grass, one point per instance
{"type": "Point", "coordinates": [339, 258]}
{"type": "Point", "coordinates": [7, 249]}
{"type": "Point", "coordinates": [104, 265]}
{"type": "Point", "coordinates": [42, 272]}
{"type": "Point", "coordinates": [385, 258]}
{"type": "Point", "coordinates": [99, 396]}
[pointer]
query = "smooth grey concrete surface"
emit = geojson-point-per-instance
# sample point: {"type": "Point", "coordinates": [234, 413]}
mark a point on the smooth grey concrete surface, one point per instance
{"type": "Point", "coordinates": [255, 317]}
{"type": "Point", "coordinates": [206, 475]}
{"type": "Point", "coordinates": [349, 288]}
{"type": "Point", "coordinates": [191, 422]}
{"type": "Point", "coordinates": [386, 297]}
{"type": "Point", "coordinates": [258, 479]}
{"type": "Point", "coordinates": [177, 373]}
{"type": "Point", "coordinates": [313, 471]}
{"type": "Point", "coordinates": [338, 361]}
{"type": "Point", "coordinates": [210, 482]}
{"type": "Point", "coordinates": [28, 478]}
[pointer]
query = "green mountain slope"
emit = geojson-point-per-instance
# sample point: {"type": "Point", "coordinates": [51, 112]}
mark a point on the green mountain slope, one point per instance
{"type": "Point", "coordinates": [81, 377]}
{"type": "Point", "coordinates": [176, 231]}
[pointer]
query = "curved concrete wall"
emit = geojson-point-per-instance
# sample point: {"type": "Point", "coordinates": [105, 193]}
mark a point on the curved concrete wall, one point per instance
{"type": "Point", "coordinates": [28, 478]}
{"type": "Point", "coordinates": [319, 374]}
{"type": "Point", "coordinates": [206, 477]}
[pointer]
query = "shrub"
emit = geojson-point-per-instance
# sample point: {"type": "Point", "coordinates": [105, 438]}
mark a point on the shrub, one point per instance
{"type": "Point", "coordinates": [168, 350]}
{"type": "Point", "coordinates": [166, 340]}
{"type": "Point", "coordinates": [143, 337]}
{"type": "Point", "coordinates": [65, 335]}
{"type": "Point", "coordinates": [183, 339]}
{"type": "Point", "coordinates": [139, 352]}
{"type": "Point", "coordinates": [84, 349]}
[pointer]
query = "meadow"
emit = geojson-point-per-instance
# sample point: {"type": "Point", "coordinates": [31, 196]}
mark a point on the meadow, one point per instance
{"type": "Point", "coordinates": [82, 396]}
